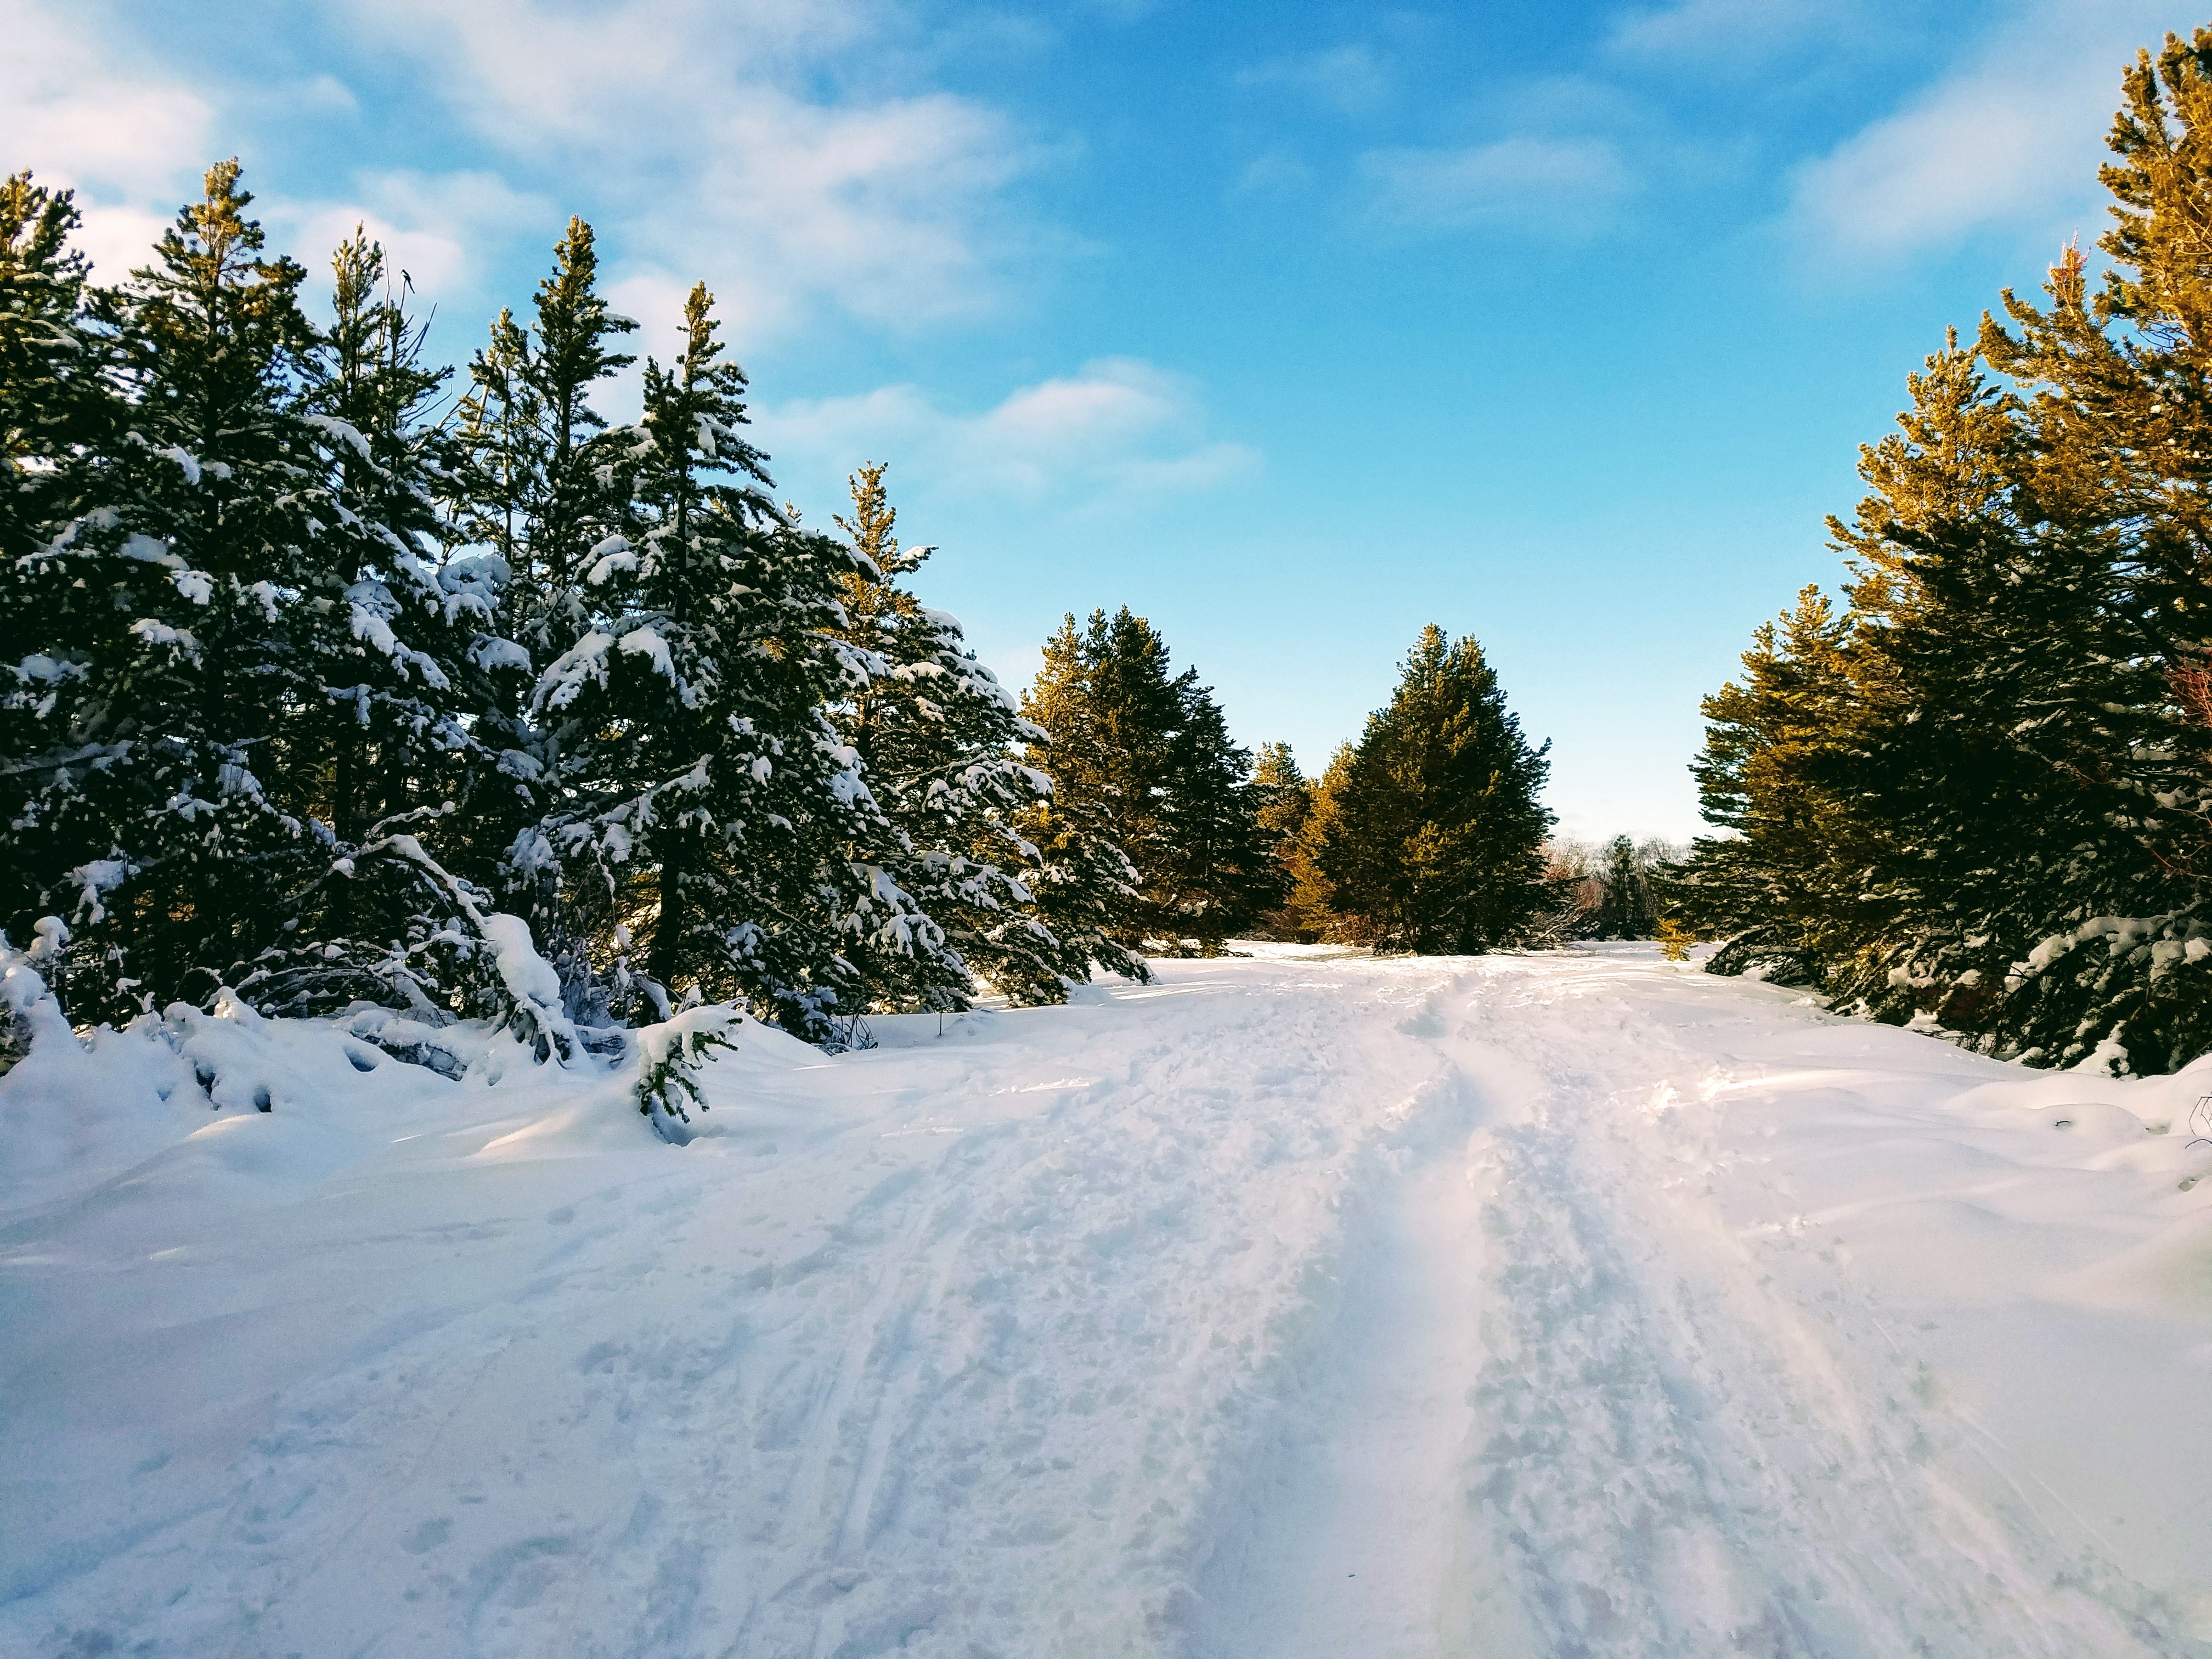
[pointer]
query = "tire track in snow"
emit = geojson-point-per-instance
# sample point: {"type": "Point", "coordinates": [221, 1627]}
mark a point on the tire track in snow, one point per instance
{"type": "Point", "coordinates": [1343, 1530]}
{"type": "Point", "coordinates": [1673, 1462]}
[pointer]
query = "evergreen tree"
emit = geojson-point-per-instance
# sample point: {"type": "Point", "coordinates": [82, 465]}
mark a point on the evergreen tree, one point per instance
{"type": "Point", "coordinates": [936, 734]}
{"type": "Point", "coordinates": [50, 395]}
{"type": "Point", "coordinates": [1439, 838]}
{"type": "Point", "coordinates": [189, 602]}
{"type": "Point", "coordinates": [1088, 887]}
{"type": "Point", "coordinates": [538, 492]}
{"type": "Point", "coordinates": [1144, 761]}
{"type": "Point", "coordinates": [1772, 891]}
{"type": "Point", "coordinates": [1311, 910]}
{"type": "Point", "coordinates": [1284, 797]}
{"type": "Point", "coordinates": [1978, 799]}
{"type": "Point", "coordinates": [1626, 911]}
{"type": "Point", "coordinates": [51, 414]}
{"type": "Point", "coordinates": [701, 789]}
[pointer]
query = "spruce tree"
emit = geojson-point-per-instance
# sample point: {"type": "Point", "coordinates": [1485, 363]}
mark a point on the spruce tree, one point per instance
{"type": "Point", "coordinates": [1141, 762]}
{"type": "Point", "coordinates": [703, 793]}
{"type": "Point", "coordinates": [937, 737]}
{"type": "Point", "coordinates": [1284, 797]}
{"type": "Point", "coordinates": [538, 492]}
{"type": "Point", "coordinates": [192, 596]}
{"type": "Point", "coordinates": [1439, 839]}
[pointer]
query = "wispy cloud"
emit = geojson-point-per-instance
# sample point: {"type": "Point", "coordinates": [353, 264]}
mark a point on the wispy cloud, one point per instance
{"type": "Point", "coordinates": [436, 227]}
{"type": "Point", "coordinates": [1277, 172]}
{"type": "Point", "coordinates": [1352, 80]}
{"type": "Point", "coordinates": [707, 150]}
{"type": "Point", "coordinates": [1119, 431]}
{"type": "Point", "coordinates": [79, 111]}
{"type": "Point", "coordinates": [698, 145]}
{"type": "Point", "coordinates": [1742, 31]}
{"type": "Point", "coordinates": [1566, 187]}
{"type": "Point", "coordinates": [2009, 141]}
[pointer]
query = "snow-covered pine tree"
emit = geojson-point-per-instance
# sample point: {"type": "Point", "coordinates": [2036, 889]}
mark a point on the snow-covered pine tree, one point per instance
{"type": "Point", "coordinates": [1439, 839]}
{"type": "Point", "coordinates": [187, 601]}
{"type": "Point", "coordinates": [703, 794]}
{"type": "Point", "coordinates": [936, 734]}
{"type": "Point", "coordinates": [387, 764]}
{"type": "Point", "coordinates": [49, 390]}
{"type": "Point", "coordinates": [538, 492]}
{"type": "Point", "coordinates": [53, 415]}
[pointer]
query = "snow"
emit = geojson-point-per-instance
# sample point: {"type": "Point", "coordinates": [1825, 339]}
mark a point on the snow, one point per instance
{"type": "Point", "coordinates": [1306, 1304]}
{"type": "Point", "coordinates": [648, 643]}
{"type": "Point", "coordinates": [528, 975]}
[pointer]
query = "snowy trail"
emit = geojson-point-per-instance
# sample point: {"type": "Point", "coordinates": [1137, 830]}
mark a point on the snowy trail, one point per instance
{"type": "Point", "coordinates": [1297, 1306]}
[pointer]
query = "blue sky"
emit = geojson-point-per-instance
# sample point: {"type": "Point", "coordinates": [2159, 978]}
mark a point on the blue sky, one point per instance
{"type": "Point", "coordinates": [1293, 328]}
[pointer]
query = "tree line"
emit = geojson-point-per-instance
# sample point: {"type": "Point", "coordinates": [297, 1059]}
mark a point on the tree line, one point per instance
{"type": "Point", "coordinates": [1971, 795]}
{"type": "Point", "coordinates": [332, 671]}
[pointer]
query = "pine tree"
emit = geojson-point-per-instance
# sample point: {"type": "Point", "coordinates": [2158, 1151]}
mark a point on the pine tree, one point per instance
{"type": "Point", "coordinates": [53, 413]}
{"type": "Point", "coordinates": [150, 826]}
{"type": "Point", "coordinates": [1284, 797]}
{"type": "Point", "coordinates": [1438, 837]}
{"type": "Point", "coordinates": [1772, 891]}
{"type": "Point", "coordinates": [1219, 875]}
{"type": "Point", "coordinates": [937, 736]}
{"type": "Point", "coordinates": [209, 581]}
{"type": "Point", "coordinates": [1142, 761]}
{"type": "Point", "coordinates": [50, 396]}
{"type": "Point", "coordinates": [1626, 911]}
{"type": "Point", "coordinates": [703, 792]}
{"type": "Point", "coordinates": [1311, 909]}
{"type": "Point", "coordinates": [1978, 801]}
{"type": "Point", "coordinates": [1083, 832]}
{"type": "Point", "coordinates": [192, 598]}
{"type": "Point", "coordinates": [539, 492]}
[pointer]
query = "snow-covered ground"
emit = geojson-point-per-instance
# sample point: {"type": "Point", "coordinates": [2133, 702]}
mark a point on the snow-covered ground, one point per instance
{"type": "Point", "coordinates": [1302, 1305]}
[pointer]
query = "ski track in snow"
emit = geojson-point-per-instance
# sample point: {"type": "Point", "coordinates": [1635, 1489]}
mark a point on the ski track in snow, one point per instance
{"type": "Point", "coordinates": [1311, 1305]}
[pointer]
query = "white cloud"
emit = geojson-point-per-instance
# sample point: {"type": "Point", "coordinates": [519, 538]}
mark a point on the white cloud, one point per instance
{"type": "Point", "coordinates": [436, 227]}
{"type": "Point", "coordinates": [1563, 186]}
{"type": "Point", "coordinates": [1118, 430]}
{"type": "Point", "coordinates": [77, 113]}
{"type": "Point", "coordinates": [1740, 30]}
{"type": "Point", "coordinates": [700, 143]}
{"type": "Point", "coordinates": [77, 108]}
{"type": "Point", "coordinates": [2010, 141]}
{"type": "Point", "coordinates": [703, 146]}
{"type": "Point", "coordinates": [1349, 80]}
{"type": "Point", "coordinates": [1276, 173]}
